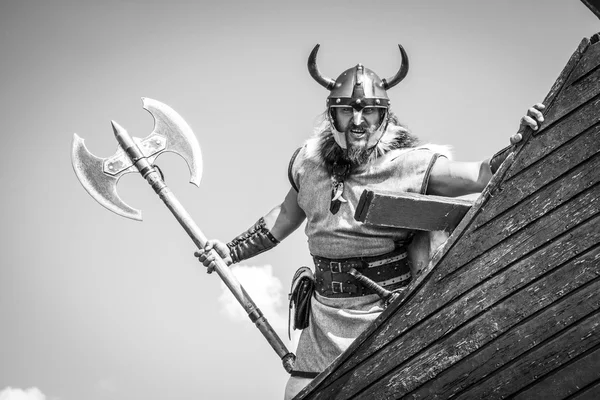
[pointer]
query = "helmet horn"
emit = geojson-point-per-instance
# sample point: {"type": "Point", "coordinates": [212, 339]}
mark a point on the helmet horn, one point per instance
{"type": "Point", "coordinates": [401, 74]}
{"type": "Point", "coordinates": [327, 83]}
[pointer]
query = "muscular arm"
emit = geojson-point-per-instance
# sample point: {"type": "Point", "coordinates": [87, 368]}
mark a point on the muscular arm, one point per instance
{"type": "Point", "coordinates": [454, 178]}
{"type": "Point", "coordinates": [286, 217]}
{"type": "Point", "coordinates": [275, 226]}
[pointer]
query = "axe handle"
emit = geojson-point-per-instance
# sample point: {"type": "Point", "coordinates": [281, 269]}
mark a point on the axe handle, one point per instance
{"type": "Point", "coordinates": [194, 232]}
{"type": "Point", "coordinates": [155, 180]}
{"type": "Point", "coordinates": [222, 269]}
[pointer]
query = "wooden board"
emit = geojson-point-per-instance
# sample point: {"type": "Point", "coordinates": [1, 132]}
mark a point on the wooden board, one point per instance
{"type": "Point", "coordinates": [510, 307]}
{"type": "Point", "coordinates": [411, 210]}
{"type": "Point", "coordinates": [593, 5]}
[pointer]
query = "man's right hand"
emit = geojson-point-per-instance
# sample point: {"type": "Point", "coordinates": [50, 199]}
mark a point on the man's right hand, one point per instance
{"type": "Point", "coordinates": [207, 257]}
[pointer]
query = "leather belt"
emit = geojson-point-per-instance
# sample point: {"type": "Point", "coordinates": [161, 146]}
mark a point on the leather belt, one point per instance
{"type": "Point", "coordinates": [332, 278]}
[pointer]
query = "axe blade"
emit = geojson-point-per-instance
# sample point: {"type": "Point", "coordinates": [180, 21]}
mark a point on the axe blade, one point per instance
{"type": "Point", "coordinates": [180, 137]}
{"type": "Point", "coordinates": [102, 187]}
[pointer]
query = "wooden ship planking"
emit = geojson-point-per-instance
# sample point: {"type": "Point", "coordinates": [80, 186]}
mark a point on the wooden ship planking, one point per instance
{"type": "Point", "coordinates": [510, 306]}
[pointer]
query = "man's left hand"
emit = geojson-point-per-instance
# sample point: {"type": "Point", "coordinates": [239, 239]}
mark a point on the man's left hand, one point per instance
{"type": "Point", "coordinates": [532, 119]}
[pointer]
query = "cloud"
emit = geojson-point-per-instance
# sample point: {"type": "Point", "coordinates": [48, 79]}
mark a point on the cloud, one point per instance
{"type": "Point", "coordinates": [106, 385]}
{"type": "Point", "coordinates": [32, 393]}
{"type": "Point", "coordinates": [265, 290]}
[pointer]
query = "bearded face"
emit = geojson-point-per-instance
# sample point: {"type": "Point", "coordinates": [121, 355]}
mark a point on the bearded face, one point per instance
{"type": "Point", "coordinates": [357, 138]}
{"type": "Point", "coordinates": [326, 145]}
{"type": "Point", "coordinates": [357, 126]}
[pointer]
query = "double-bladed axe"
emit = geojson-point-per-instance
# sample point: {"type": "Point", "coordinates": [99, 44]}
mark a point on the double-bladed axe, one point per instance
{"type": "Point", "coordinates": [99, 176]}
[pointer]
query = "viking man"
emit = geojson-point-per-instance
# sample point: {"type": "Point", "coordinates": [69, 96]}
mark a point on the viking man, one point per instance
{"type": "Point", "coordinates": [358, 145]}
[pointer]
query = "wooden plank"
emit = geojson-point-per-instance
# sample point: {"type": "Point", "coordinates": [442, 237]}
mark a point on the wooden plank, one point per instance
{"type": "Point", "coordinates": [420, 328]}
{"type": "Point", "coordinates": [560, 82]}
{"type": "Point", "coordinates": [589, 61]}
{"type": "Point", "coordinates": [538, 204]}
{"type": "Point", "coordinates": [518, 340]}
{"type": "Point", "coordinates": [491, 325]}
{"type": "Point", "coordinates": [573, 173]}
{"type": "Point", "coordinates": [477, 258]}
{"type": "Point", "coordinates": [573, 94]}
{"type": "Point", "coordinates": [483, 238]}
{"type": "Point", "coordinates": [566, 381]}
{"type": "Point", "coordinates": [482, 327]}
{"type": "Point", "coordinates": [586, 147]}
{"type": "Point", "coordinates": [591, 392]}
{"type": "Point", "coordinates": [542, 360]}
{"type": "Point", "coordinates": [411, 210]}
{"type": "Point", "coordinates": [593, 5]}
{"type": "Point", "coordinates": [552, 138]}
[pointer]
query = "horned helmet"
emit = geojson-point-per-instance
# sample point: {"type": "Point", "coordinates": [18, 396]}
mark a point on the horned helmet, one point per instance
{"type": "Point", "coordinates": [358, 87]}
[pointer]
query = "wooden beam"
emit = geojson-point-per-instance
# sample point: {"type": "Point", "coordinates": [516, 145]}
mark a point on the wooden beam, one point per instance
{"type": "Point", "coordinates": [411, 210]}
{"type": "Point", "coordinates": [593, 5]}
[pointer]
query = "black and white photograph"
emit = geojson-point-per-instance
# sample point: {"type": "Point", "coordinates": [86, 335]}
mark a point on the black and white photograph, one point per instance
{"type": "Point", "coordinates": [309, 200]}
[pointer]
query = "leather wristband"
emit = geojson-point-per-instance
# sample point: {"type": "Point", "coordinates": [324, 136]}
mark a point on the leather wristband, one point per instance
{"type": "Point", "coordinates": [499, 157]}
{"type": "Point", "coordinates": [255, 240]}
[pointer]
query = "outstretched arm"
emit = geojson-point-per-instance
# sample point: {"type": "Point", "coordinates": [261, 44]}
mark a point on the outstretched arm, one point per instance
{"type": "Point", "coordinates": [268, 231]}
{"type": "Point", "coordinates": [454, 178]}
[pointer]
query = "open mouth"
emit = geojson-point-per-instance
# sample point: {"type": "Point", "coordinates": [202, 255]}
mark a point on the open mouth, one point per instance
{"type": "Point", "coordinates": [358, 133]}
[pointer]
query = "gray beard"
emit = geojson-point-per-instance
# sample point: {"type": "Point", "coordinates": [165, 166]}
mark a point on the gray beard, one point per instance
{"type": "Point", "coordinates": [358, 154]}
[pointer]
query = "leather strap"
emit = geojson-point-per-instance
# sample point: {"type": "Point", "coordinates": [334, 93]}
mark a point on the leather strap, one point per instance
{"type": "Point", "coordinates": [291, 167]}
{"type": "Point", "coordinates": [304, 374]}
{"type": "Point", "coordinates": [498, 158]}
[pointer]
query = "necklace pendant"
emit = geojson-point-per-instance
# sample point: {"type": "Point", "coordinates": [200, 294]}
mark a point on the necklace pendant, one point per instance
{"type": "Point", "coordinates": [338, 191]}
{"type": "Point", "coordinates": [337, 198]}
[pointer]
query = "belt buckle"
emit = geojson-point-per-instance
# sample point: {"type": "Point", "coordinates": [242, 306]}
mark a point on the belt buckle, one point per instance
{"type": "Point", "coordinates": [335, 267]}
{"type": "Point", "coordinates": [336, 287]}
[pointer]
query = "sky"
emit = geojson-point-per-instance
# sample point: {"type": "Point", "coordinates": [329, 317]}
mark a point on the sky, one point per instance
{"type": "Point", "coordinates": [95, 306]}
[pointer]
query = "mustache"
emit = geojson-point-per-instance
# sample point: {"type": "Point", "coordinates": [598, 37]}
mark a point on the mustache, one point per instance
{"type": "Point", "coordinates": [363, 126]}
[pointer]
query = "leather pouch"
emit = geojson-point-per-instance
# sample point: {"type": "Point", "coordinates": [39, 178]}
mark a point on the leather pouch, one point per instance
{"type": "Point", "coordinates": [301, 292]}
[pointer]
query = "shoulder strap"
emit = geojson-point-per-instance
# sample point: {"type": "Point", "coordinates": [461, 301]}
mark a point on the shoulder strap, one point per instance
{"type": "Point", "coordinates": [290, 166]}
{"type": "Point", "coordinates": [428, 172]}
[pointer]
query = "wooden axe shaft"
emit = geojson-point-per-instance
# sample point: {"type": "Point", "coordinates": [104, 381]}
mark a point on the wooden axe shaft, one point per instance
{"type": "Point", "coordinates": [194, 232]}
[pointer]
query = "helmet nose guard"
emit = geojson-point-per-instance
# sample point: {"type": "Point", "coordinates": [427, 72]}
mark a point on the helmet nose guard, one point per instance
{"type": "Point", "coordinates": [357, 118]}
